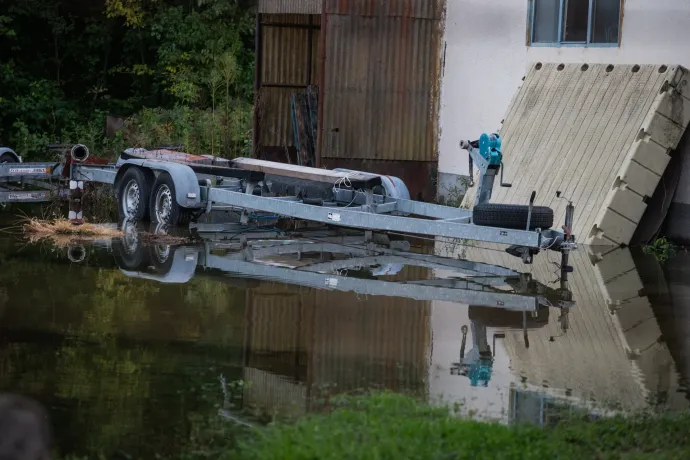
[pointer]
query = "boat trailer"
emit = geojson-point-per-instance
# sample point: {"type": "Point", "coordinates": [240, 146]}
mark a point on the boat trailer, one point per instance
{"type": "Point", "coordinates": [174, 188]}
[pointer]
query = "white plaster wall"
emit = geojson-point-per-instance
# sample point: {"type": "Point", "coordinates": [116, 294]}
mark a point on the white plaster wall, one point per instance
{"type": "Point", "coordinates": [491, 402]}
{"type": "Point", "coordinates": [486, 58]}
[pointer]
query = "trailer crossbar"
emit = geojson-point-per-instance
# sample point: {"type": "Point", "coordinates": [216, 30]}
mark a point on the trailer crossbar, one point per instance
{"type": "Point", "coordinates": [16, 171]}
{"type": "Point", "coordinates": [458, 294]}
{"type": "Point", "coordinates": [372, 221]}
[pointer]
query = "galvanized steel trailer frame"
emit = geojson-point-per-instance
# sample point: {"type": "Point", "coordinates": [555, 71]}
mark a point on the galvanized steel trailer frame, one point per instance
{"type": "Point", "coordinates": [356, 206]}
{"type": "Point", "coordinates": [370, 212]}
{"type": "Point", "coordinates": [42, 176]}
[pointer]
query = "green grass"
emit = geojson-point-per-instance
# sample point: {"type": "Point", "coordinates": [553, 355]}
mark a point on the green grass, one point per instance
{"type": "Point", "coordinates": [390, 426]}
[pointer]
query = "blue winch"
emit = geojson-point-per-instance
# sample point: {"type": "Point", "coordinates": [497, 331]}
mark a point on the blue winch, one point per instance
{"type": "Point", "coordinates": [490, 148]}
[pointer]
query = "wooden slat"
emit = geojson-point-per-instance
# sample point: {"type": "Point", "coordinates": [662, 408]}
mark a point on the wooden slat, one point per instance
{"type": "Point", "coordinates": [303, 172]}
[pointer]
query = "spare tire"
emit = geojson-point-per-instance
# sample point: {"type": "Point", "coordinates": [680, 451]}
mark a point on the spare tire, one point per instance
{"type": "Point", "coordinates": [513, 216]}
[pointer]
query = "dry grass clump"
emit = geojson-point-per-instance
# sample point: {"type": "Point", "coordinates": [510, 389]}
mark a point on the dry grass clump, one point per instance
{"type": "Point", "coordinates": [57, 227]}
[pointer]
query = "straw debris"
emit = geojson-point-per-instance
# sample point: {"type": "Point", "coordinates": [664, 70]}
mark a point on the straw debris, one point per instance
{"type": "Point", "coordinates": [56, 227]}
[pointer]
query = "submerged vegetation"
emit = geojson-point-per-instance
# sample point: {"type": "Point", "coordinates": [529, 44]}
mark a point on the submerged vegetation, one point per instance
{"type": "Point", "coordinates": [165, 71]}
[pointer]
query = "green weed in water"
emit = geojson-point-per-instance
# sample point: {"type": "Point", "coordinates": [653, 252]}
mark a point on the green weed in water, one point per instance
{"type": "Point", "coordinates": [662, 249]}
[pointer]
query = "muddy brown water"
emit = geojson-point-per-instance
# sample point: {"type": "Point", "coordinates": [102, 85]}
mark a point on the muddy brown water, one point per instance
{"type": "Point", "coordinates": [131, 364]}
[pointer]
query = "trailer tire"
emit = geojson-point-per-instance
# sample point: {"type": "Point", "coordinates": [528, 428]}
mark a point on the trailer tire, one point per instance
{"type": "Point", "coordinates": [512, 216]}
{"type": "Point", "coordinates": [163, 205]}
{"type": "Point", "coordinates": [133, 191]}
{"type": "Point", "coordinates": [128, 258]}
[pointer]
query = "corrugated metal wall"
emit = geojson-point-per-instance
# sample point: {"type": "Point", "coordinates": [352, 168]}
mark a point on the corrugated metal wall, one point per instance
{"type": "Point", "coordinates": [276, 334]}
{"type": "Point", "coordinates": [428, 9]}
{"type": "Point", "coordinates": [381, 79]}
{"type": "Point", "coordinates": [370, 342]}
{"type": "Point", "coordinates": [290, 6]}
{"type": "Point", "coordinates": [286, 66]}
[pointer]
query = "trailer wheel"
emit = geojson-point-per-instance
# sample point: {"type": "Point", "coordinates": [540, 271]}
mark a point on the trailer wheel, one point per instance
{"type": "Point", "coordinates": [161, 256]}
{"type": "Point", "coordinates": [130, 255]}
{"type": "Point", "coordinates": [163, 206]}
{"type": "Point", "coordinates": [133, 195]}
{"type": "Point", "coordinates": [512, 216]}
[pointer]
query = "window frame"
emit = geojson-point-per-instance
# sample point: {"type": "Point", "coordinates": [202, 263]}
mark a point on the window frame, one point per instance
{"type": "Point", "coordinates": [531, 15]}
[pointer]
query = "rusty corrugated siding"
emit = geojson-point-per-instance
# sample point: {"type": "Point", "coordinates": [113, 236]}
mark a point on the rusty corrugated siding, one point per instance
{"type": "Point", "coordinates": [371, 343]}
{"type": "Point", "coordinates": [426, 9]}
{"type": "Point", "coordinates": [284, 62]}
{"type": "Point", "coordinates": [323, 337]}
{"type": "Point", "coordinates": [276, 336]}
{"type": "Point", "coordinates": [381, 81]}
{"type": "Point", "coordinates": [290, 6]}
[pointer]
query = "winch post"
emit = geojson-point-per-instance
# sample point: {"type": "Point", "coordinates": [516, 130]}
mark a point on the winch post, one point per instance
{"type": "Point", "coordinates": [486, 154]}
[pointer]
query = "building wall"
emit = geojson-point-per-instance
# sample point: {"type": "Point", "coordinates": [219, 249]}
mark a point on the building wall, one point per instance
{"type": "Point", "coordinates": [380, 87]}
{"type": "Point", "coordinates": [492, 402]}
{"type": "Point", "coordinates": [288, 62]}
{"type": "Point", "coordinates": [486, 57]}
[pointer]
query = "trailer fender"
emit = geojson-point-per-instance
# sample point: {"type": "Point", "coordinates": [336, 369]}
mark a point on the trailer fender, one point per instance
{"type": "Point", "coordinates": [187, 190]}
{"type": "Point", "coordinates": [10, 152]}
{"type": "Point", "coordinates": [394, 186]}
{"type": "Point", "coordinates": [180, 271]}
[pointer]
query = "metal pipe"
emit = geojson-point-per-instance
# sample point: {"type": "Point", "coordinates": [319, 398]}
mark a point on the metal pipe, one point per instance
{"type": "Point", "coordinates": [79, 153]}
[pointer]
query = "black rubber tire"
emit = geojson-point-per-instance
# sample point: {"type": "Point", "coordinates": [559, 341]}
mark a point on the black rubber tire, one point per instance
{"type": "Point", "coordinates": [134, 260]}
{"type": "Point", "coordinates": [161, 265]}
{"type": "Point", "coordinates": [178, 214]}
{"type": "Point", "coordinates": [513, 216]}
{"type": "Point", "coordinates": [144, 184]}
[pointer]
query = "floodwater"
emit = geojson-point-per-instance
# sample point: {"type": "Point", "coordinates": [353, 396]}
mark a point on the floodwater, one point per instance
{"type": "Point", "coordinates": [138, 351]}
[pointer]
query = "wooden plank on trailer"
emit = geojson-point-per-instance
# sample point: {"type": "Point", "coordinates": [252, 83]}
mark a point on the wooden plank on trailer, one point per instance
{"type": "Point", "coordinates": [355, 179]}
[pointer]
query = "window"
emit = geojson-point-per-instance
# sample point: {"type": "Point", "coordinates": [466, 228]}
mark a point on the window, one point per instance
{"type": "Point", "coordinates": [575, 22]}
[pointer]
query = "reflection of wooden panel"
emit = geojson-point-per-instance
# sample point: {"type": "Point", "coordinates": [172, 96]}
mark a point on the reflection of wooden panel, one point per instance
{"type": "Point", "coordinates": [590, 359]}
{"type": "Point", "coordinates": [610, 352]}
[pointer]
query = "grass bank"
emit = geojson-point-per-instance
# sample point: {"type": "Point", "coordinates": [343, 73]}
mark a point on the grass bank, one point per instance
{"type": "Point", "coordinates": [389, 426]}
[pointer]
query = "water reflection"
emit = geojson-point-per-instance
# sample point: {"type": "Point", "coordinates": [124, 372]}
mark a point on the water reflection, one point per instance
{"type": "Point", "coordinates": [135, 347]}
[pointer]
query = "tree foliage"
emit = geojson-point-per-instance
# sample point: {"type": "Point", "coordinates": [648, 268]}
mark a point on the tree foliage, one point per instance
{"type": "Point", "coordinates": [65, 64]}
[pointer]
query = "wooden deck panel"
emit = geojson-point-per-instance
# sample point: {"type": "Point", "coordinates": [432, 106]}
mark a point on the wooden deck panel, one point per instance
{"type": "Point", "coordinates": [601, 134]}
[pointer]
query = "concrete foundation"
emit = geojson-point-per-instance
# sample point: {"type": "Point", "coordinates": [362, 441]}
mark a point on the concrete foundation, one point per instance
{"type": "Point", "coordinates": [452, 188]}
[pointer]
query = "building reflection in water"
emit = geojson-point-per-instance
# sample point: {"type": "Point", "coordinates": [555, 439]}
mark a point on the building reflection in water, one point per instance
{"type": "Point", "coordinates": [608, 352]}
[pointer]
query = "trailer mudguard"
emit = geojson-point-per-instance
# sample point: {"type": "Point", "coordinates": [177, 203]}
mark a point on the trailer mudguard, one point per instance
{"type": "Point", "coordinates": [11, 152]}
{"type": "Point", "coordinates": [187, 190]}
{"type": "Point", "coordinates": [181, 269]}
